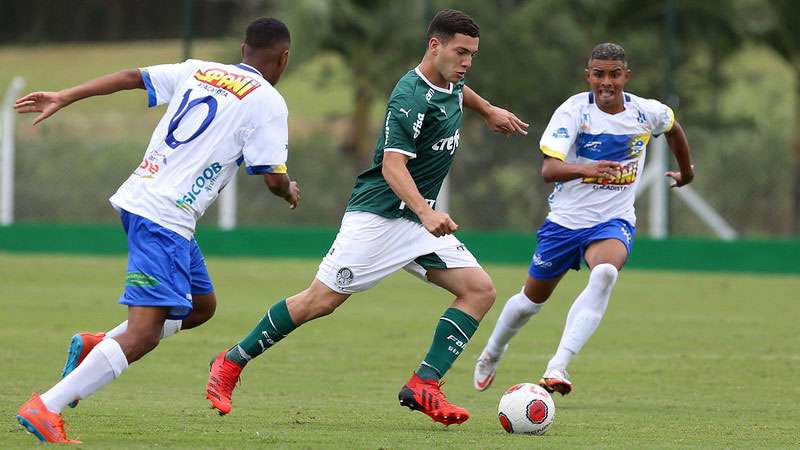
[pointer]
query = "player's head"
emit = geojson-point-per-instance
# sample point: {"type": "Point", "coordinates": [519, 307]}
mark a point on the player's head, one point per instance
{"type": "Point", "coordinates": [607, 72]}
{"type": "Point", "coordinates": [452, 43]}
{"type": "Point", "coordinates": [266, 47]}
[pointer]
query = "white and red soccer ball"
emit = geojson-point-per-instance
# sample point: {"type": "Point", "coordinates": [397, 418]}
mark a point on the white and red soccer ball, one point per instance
{"type": "Point", "coordinates": [526, 408]}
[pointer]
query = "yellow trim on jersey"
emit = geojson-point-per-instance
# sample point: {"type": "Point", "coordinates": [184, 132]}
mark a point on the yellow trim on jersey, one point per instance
{"type": "Point", "coordinates": [671, 122]}
{"type": "Point", "coordinates": [552, 153]}
{"type": "Point", "coordinates": [280, 168]}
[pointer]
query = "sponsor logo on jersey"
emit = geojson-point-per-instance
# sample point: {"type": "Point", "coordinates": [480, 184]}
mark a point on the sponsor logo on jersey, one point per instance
{"type": "Point", "coordinates": [417, 126]}
{"type": "Point", "coordinates": [206, 181]}
{"type": "Point", "coordinates": [238, 85]}
{"type": "Point", "coordinates": [429, 95]}
{"type": "Point", "coordinates": [641, 118]}
{"type": "Point", "coordinates": [448, 143]}
{"type": "Point", "coordinates": [625, 176]}
{"type": "Point", "coordinates": [561, 133]}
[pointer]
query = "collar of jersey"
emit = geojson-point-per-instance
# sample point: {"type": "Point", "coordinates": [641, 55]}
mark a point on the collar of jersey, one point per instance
{"type": "Point", "coordinates": [446, 91]}
{"type": "Point", "coordinates": [249, 68]}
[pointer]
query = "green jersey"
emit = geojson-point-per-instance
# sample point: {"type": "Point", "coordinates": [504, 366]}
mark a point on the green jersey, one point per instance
{"type": "Point", "coordinates": [422, 122]}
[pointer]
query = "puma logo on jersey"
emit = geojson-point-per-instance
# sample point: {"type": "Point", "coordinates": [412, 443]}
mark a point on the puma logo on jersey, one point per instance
{"type": "Point", "coordinates": [405, 111]}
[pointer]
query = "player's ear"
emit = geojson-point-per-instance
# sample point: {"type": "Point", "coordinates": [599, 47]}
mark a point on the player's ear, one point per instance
{"type": "Point", "coordinates": [433, 45]}
{"type": "Point", "coordinates": [586, 74]}
{"type": "Point", "coordinates": [243, 44]}
{"type": "Point", "coordinates": [285, 58]}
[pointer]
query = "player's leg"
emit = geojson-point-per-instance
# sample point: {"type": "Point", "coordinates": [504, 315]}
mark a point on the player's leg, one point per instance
{"type": "Point", "coordinates": [557, 250]}
{"type": "Point", "coordinates": [281, 319]}
{"type": "Point", "coordinates": [475, 294]}
{"type": "Point", "coordinates": [41, 415]}
{"type": "Point", "coordinates": [517, 311]}
{"type": "Point", "coordinates": [606, 252]}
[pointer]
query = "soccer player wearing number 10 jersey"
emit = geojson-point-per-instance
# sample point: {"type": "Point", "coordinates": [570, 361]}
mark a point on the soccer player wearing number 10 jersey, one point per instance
{"type": "Point", "coordinates": [218, 117]}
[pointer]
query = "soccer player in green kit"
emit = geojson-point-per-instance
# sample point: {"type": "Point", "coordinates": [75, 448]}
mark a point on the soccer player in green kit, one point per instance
{"type": "Point", "coordinates": [390, 223]}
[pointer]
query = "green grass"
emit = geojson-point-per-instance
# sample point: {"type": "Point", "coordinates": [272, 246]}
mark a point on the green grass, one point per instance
{"type": "Point", "coordinates": [681, 360]}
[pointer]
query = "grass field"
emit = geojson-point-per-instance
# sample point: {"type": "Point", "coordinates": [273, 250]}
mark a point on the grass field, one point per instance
{"type": "Point", "coordinates": [681, 360]}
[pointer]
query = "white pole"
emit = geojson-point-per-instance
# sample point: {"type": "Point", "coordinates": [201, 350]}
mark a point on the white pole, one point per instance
{"type": "Point", "coordinates": [7, 152]}
{"type": "Point", "coordinates": [443, 199]}
{"type": "Point", "coordinates": [659, 205]}
{"type": "Point", "coordinates": [706, 213]}
{"type": "Point", "coordinates": [227, 206]}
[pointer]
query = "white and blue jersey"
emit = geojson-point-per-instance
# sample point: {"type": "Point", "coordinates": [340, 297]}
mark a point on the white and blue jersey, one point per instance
{"type": "Point", "coordinates": [581, 133]}
{"type": "Point", "coordinates": [218, 117]}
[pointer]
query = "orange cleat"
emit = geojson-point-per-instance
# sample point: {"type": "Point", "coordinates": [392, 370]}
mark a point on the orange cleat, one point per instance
{"type": "Point", "coordinates": [42, 423]}
{"type": "Point", "coordinates": [222, 378]}
{"type": "Point", "coordinates": [79, 346]}
{"type": "Point", "coordinates": [427, 397]}
{"type": "Point", "coordinates": [555, 380]}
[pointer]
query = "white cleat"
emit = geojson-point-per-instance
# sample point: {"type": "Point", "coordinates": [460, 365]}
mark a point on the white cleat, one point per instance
{"type": "Point", "coordinates": [485, 370]}
{"type": "Point", "coordinates": [556, 380]}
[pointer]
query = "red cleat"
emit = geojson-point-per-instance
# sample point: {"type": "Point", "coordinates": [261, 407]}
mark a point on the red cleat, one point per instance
{"type": "Point", "coordinates": [42, 423]}
{"type": "Point", "coordinates": [222, 378]}
{"type": "Point", "coordinates": [427, 397]}
{"type": "Point", "coordinates": [79, 346]}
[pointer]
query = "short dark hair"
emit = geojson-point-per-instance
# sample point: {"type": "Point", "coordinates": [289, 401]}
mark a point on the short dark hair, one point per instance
{"type": "Point", "coordinates": [448, 22]}
{"type": "Point", "coordinates": [266, 32]}
{"type": "Point", "coordinates": [608, 51]}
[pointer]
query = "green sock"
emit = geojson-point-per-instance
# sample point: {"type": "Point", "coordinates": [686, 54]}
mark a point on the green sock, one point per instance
{"type": "Point", "coordinates": [452, 334]}
{"type": "Point", "coordinates": [271, 329]}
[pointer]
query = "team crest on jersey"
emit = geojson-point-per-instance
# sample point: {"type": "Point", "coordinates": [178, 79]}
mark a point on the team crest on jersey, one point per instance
{"type": "Point", "coordinates": [344, 276]}
{"type": "Point", "coordinates": [238, 85]}
{"type": "Point", "coordinates": [637, 144]}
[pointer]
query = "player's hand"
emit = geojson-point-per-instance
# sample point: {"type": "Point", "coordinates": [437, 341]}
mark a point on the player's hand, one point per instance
{"type": "Point", "coordinates": [293, 196]}
{"type": "Point", "coordinates": [46, 103]}
{"type": "Point", "coordinates": [680, 179]}
{"type": "Point", "coordinates": [603, 169]}
{"type": "Point", "coordinates": [501, 121]}
{"type": "Point", "coordinates": [438, 223]}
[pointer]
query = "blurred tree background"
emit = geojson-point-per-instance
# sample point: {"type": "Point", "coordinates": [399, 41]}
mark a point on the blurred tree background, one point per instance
{"type": "Point", "coordinates": [729, 68]}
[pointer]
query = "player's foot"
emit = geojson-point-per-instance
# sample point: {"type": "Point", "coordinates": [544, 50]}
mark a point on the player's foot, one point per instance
{"type": "Point", "coordinates": [79, 346]}
{"type": "Point", "coordinates": [485, 370]}
{"type": "Point", "coordinates": [556, 380]}
{"type": "Point", "coordinates": [42, 423]}
{"type": "Point", "coordinates": [222, 379]}
{"type": "Point", "coordinates": [427, 397]}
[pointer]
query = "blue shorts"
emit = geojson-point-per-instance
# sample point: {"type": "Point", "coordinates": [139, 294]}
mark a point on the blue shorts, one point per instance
{"type": "Point", "coordinates": [559, 249]}
{"type": "Point", "coordinates": [164, 268]}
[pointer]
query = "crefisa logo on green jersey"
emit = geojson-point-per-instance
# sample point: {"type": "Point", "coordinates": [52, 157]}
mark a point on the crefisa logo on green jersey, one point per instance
{"type": "Point", "coordinates": [448, 143]}
{"type": "Point", "coordinates": [206, 180]}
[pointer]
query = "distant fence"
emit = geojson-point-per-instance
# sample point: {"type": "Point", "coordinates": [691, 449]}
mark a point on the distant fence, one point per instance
{"type": "Point", "coordinates": [756, 256]}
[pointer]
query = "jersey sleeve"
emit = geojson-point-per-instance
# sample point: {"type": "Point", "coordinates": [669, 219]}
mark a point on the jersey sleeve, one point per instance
{"type": "Point", "coordinates": [404, 117]}
{"type": "Point", "coordinates": [266, 147]}
{"type": "Point", "coordinates": [162, 80]}
{"type": "Point", "coordinates": [560, 133]}
{"type": "Point", "coordinates": [659, 115]}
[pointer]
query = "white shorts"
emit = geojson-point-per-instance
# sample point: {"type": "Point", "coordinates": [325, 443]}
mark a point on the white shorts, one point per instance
{"type": "Point", "coordinates": [369, 248]}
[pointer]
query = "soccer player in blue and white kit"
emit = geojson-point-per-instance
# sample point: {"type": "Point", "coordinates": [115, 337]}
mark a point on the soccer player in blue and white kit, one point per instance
{"type": "Point", "coordinates": [218, 117]}
{"type": "Point", "coordinates": [594, 151]}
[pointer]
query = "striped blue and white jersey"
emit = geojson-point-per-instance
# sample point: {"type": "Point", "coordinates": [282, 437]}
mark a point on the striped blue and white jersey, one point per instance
{"type": "Point", "coordinates": [218, 117]}
{"type": "Point", "coordinates": [581, 133]}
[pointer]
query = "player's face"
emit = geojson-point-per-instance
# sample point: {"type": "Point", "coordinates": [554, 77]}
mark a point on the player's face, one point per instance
{"type": "Point", "coordinates": [607, 79]}
{"type": "Point", "coordinates": [455, 58]}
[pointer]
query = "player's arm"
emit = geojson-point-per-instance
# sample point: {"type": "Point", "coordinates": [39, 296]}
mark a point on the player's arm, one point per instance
{"type": "Point", "coordinates": [676, 139]}
{"type": "Point", "coordinates": [399, 179]}
{"type": "Point", "coordinates": [554, 169]}
{"type": "Point", "coordinates": [47, 103]}
{"type": "Point", "coordinates": [281, 185]}
{"type": "Point", "coordinates": [497, 119]}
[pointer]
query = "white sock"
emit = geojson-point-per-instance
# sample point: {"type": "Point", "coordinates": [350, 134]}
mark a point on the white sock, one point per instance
{"type": "Point", "coordinates": [585, 314]}
{"type": "Point", "coordinates": [517, 311]}
{"type": "Point", "coordinates": [170, 327]}
{"type": "Point", "coordinates": [102, 365]}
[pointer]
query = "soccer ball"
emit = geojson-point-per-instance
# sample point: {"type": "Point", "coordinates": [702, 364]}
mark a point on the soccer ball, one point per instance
{"type": "Point", "coordinates": [526, 408]}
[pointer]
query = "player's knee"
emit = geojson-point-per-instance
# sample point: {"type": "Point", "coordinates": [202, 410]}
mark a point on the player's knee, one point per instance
{"type": "Point", "coordinates": [604, 275]}
{"type": "Point", "coordinates": [483, 295]}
